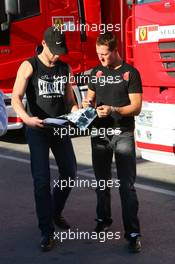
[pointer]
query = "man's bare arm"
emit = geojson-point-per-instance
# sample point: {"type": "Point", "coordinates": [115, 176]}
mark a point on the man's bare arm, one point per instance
{"type": "Point", "coordinates": [70, 95]}
{"type": "Point", "coordinates": [22, 78]}
{"type": "Point", "coordinates": [90, 99]}
{"type": "Point", "coordinates": [132, 109]}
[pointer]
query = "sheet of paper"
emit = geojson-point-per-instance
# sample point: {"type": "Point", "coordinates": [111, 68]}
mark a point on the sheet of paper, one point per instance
{"type": "Point", "coordinates": [82, 118]}
{"type": "Point", "coordinates": [55, 121]}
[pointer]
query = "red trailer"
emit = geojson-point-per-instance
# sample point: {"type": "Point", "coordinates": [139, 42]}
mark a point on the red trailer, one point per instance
{"type": "Point", "coordinates": [146, 33]}
{"type": "Point", "coordinates": [152, 51]}
{"type": "Point", "coordinates": [22, 27]}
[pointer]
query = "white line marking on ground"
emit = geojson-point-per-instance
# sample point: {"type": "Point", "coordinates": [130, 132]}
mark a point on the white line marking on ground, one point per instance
{"type": "Point", "coordinates": [87, 173]}
{"type": "Point", "coordinates": [15, 159]}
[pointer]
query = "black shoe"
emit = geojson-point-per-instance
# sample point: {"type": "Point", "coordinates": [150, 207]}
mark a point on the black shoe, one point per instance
{"type": "Point", "coordinates": [135, 244]}
{"type": "Point", "coordinates": [102, 225]}
{"type": "Point", "coordinates": [47, 243]}
{"type": "Point", "coordinates": [61, 222]}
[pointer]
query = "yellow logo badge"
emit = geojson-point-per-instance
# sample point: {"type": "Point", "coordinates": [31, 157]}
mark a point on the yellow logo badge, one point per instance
{"type": "Point", "coordinates": [143, 34]}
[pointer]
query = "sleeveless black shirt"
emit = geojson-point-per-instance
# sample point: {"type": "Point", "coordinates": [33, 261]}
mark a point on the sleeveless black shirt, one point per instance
{"type": "Point", "coordinates": [46, 89]}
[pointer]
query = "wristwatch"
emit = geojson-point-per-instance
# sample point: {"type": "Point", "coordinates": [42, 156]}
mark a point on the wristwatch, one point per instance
{"type": "Point", "coordinates": [114, 109]}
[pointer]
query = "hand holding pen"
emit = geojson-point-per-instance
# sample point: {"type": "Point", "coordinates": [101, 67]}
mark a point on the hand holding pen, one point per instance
{"type": "Point", "coordinates": [87, 103]}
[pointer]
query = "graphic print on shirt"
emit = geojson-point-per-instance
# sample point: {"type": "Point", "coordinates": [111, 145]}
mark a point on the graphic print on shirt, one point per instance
{"type": "Point", "coordinates": [109, 79]}
{"type": "Point", "coordinates": [52, 86]}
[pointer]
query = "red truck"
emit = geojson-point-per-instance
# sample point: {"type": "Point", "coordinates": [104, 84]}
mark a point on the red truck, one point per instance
{"type": "Point", "coordinates": [22, 27]}
{"type": "Point", "coordinates": [152, 24]}
{"type": "Point", "coordinates": [146, 33]}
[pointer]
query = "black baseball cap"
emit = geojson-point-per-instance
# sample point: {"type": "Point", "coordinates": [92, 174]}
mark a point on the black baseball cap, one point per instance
{"type": "Point", "coordinates": [55, 40]}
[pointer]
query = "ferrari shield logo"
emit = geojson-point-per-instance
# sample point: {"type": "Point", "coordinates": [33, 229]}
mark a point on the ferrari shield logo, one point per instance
{"type": "Point", "coordinates": [143, 34]}
{"type": "Point", "coordinates": [66, 23]}
{"type": "Point", "coordinates": [57, 21]}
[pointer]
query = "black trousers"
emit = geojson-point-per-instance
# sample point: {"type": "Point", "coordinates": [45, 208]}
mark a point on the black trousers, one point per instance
{"type": "Point", "coordinates": [47, 206]}
{"type": "Point", "coordinates": [123, 147]}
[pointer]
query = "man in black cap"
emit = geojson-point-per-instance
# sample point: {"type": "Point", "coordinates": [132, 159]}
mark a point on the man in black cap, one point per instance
{"type": "Point", "coordinates": [46, 81]}
{"type": "Point", "coordinates": [55, 40]}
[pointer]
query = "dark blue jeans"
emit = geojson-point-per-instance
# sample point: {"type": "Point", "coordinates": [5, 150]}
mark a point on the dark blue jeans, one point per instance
{"type": "Point", "coordinates": [40, 143]}
{"type": "Point", "coordinates": [123, 147]}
